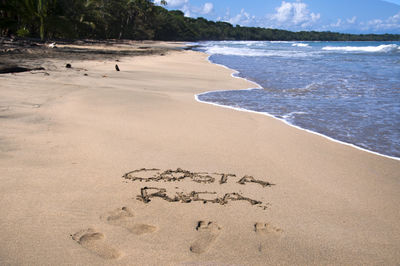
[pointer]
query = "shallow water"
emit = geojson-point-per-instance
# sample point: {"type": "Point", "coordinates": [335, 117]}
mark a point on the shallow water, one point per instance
{"type": "Point", "coordinates": [349, 91]}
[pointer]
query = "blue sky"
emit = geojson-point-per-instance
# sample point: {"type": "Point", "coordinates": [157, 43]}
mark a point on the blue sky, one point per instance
{"type": "Point", "coordinates": [350, 16]}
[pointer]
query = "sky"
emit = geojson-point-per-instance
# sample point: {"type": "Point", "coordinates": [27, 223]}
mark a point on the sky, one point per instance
{"type": "Point", "coordinates": [348, 16]}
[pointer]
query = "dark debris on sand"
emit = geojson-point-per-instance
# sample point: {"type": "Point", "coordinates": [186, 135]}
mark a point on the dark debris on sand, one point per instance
{"type": "Point", "coordinates": [32, 53]}
{"type": "Point", "coordinates": [17, 69]}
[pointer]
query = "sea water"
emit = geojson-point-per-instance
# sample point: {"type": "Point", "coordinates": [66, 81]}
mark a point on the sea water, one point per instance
{"type": "Point", "coordinates": [348, 91]}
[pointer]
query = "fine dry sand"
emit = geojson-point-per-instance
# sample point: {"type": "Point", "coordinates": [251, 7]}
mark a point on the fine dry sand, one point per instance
{"type": "Point", "coordinates": [221, 187]}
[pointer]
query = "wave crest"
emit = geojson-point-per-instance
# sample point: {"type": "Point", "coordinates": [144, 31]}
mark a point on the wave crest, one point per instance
{"type": "Point", "coordinates": [384, 48]}
{"type": "Point", "coordinates": [301, 44]}
{"type": "Point", "coordinates": [226, 50]}
{"type": "Point", "coordinates": [246, 51]}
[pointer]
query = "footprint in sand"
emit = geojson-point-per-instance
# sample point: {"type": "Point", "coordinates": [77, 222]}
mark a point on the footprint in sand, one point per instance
{"type": "Point", "coordinates": [266, 229]}
{"type": "Point", "coordinates": [94, 241]}
{"type": "Point", "coordinates": [124, 217]}
{"type": "Point", "coordinates": [207, 234]}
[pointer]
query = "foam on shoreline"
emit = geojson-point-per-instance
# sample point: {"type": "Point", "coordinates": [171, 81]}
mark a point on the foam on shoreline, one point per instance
{"type": "Point", "coordinates": [235, 73]}
{"type": "Point", "coordinates": [384, 48]}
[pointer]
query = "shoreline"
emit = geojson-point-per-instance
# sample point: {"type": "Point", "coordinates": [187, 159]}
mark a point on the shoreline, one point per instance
{"type": "Point", "coordinates": [235, 75]}
{"type": "Point", "coordinates": [297, 127]}
{"type": "Point", "coordinates": [232, 187]}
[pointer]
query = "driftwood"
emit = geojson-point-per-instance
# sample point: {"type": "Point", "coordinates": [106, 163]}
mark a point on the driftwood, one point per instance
{"type": "Point", "coordinates": [17, 69]}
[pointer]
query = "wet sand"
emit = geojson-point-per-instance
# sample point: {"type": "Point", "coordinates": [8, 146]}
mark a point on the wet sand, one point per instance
{"type": "Point", "coordinates": [103, 167]}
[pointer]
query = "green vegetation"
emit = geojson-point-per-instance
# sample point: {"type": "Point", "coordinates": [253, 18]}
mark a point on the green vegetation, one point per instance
{"type": "Point", "coordinates": [137, 20]}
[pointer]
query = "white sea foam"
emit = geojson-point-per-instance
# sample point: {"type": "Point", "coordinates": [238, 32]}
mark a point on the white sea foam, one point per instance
{"type": "Point", "coordinates": [384, 48]}
{"type": "Point", "coordinates": [280, 42]}
{"type": "Point", "coordinates": [301, 44]}
{"type": "Point", "coordinates": [290, 115]}
{"type": "Point", "coordinates": [226, 50]}
{"type": "Point", "coordinates": [235, 42]}
{"type": "Point", "coordinates": [246, 51]}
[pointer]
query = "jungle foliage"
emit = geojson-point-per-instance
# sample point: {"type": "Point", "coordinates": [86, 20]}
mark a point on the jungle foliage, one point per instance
{"type": "Point", "coordinates": [137, 20]}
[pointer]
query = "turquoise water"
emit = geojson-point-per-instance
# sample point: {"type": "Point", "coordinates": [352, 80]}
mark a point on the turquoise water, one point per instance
{"type": "Point", "coordinates": [349, 91]}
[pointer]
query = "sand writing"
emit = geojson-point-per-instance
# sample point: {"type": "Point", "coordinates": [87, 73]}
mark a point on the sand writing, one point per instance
{"type": "Point", "coordinates": [178, 175]}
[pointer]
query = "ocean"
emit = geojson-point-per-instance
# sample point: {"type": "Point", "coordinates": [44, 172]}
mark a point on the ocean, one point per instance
{"type": "Point", "coordinates": [347, 91]}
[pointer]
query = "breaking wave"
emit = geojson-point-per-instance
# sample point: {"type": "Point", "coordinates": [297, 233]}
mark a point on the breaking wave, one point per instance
{"type": "Point", "coordinates": [225, 50]}
{"type": "Point", "coordinates": [384, 48]}
{"type": "Point", "coordinates": [247, 51]}
{"type": "Point", "coordinates": [301, 44]}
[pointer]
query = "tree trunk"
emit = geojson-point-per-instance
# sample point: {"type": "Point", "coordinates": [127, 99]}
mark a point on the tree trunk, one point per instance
{"type": "Point", "coordinates": [42, 28]}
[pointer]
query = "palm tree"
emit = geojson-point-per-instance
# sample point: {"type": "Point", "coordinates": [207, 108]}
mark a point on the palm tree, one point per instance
{"type": "Point", "coordinates": [41, 10]}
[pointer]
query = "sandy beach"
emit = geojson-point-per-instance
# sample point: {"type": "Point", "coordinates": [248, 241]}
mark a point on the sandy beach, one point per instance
{"type": "Point", "coordinates": [106, 167]}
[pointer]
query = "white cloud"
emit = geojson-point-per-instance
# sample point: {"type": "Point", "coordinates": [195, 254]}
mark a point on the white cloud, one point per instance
{"type": "Point", "coordinates": [394, 19]}
{"type": "Point", "coordinates": [173, 3]}
{"type": "Point", "coordinates": [283, 13]}
{"type": "Point", "coordinates": [337, 24]}
{"type": "Point", "coordinates": [243, 18]}
{"type": "Point", "coordinates": [351, 20]}
{"type": "Point", "coordinates": [207, 8]}
{"type": "Point", "coordinates": [187, 8]}
{"type": "Point", "coordinates": [343, 24]}
{"type": "Point", "coordinates": [293, 14]}
{"type": "Point", "coordinates": [315, 17]}
{"type": "Point", "coordinates": [391, 23]}
{"type": "Point", "coordinates": [182, 5]}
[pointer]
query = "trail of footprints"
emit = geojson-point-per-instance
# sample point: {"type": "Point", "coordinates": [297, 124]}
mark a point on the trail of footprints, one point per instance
{"type": "Point", "coordinates": [207, 234]}
{"type": "Point", "coordinates": [207, 231]}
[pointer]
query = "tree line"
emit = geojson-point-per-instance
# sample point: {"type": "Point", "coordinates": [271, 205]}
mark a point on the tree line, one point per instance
{"type": "Point", "coordinates": [138, 20]}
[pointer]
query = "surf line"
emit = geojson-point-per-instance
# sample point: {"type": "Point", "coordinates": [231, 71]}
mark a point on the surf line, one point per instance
{"type": "Point", "coordinates": [235, 73]}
